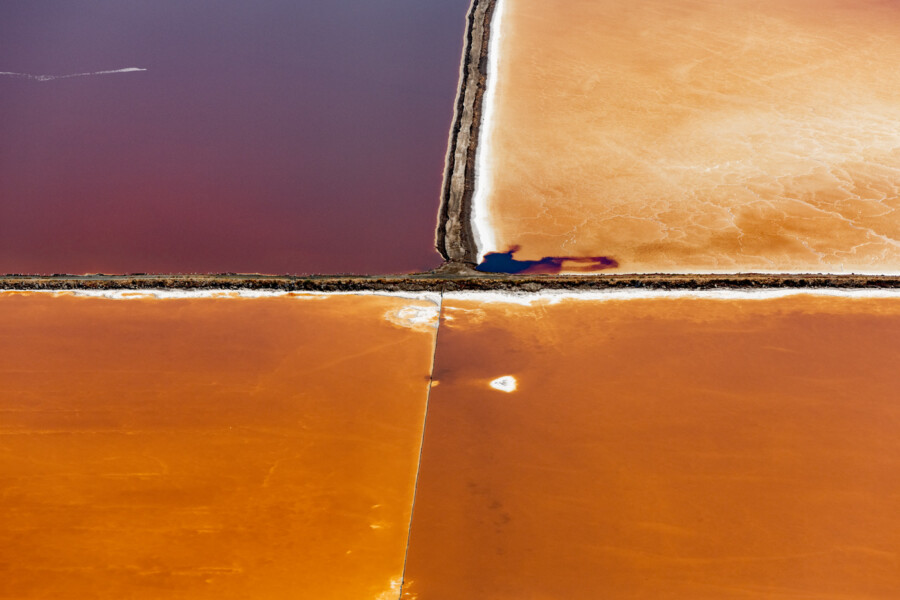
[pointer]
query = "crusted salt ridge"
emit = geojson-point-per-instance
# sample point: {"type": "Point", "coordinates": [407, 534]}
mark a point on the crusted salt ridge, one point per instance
{"type": "Point", "coordinates": [513, 297]}
{"type": "Point", "coordinates": [483, 233]}
{"type": "Point", "coordinates": [556, 296]}
{"type": "Point", "coordinates": [432, 297]}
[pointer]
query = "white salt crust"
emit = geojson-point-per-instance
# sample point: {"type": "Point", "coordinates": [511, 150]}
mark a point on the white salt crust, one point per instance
{"type": "Point", "coordinates": [485, 241]}
{"type": "Point", "coordinates": [433, 297]}
{"type": "Point", "coordinates": [507, 384]}
{"type": "Point", "coordinates": [524, 298]}
{"type": "Point", "coordinates": [556, 296]}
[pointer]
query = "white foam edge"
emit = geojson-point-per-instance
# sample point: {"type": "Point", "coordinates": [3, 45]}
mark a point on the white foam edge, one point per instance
{"type": "Point", "coordinates": [485, 240]}
{"type": "Point", "coordinates": [432, 297]}
{"type": "Point", "coordinates": [557, 296]}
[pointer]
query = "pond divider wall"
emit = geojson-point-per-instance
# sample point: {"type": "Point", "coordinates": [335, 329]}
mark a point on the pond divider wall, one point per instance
{"type": "Point", "coordinates": [454, 238]}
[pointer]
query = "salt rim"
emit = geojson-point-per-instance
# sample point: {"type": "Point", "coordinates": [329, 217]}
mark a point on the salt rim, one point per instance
{"type": "Point", "coordinates": [523, 298]}
{"type": "Point", "coordinates": [556, 296]}
{"type": "Point", "coordinates": [432, 297]}
{"type": "Point", "coordinates": [485, 241]}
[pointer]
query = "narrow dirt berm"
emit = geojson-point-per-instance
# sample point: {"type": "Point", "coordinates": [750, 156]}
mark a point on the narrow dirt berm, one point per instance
{"type": "Point", "coordinates": [454, 238]}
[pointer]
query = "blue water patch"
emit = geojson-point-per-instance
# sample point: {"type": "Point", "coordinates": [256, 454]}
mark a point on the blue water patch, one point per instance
{"type": "Point", "coordinates": [503, 262]}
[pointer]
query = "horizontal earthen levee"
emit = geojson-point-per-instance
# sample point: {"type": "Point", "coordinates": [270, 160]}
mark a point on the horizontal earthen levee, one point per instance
{"type": "Point", "coordinates": [440, 282]}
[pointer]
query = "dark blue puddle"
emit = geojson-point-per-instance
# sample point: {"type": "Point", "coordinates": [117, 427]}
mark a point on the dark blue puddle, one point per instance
{"type": "Point", "coordinates": [503, 262]}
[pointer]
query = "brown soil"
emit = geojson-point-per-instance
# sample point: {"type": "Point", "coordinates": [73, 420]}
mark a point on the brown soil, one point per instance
{"type": "Point", "coordinates": [442, 280]}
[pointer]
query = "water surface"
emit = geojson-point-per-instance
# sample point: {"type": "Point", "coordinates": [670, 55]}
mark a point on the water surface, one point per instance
{"type": "Point", "coordinates": [209, 448]}
{"type": "Point", "coordinates": [273, 136]}
{"type": "Point", "coordinates": [695, 135]}
{"type": "Point", "coordinates": [670, 448]}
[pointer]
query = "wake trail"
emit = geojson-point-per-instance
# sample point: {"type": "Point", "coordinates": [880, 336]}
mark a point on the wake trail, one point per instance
{"type": "Point", "coordinates": [52, 77]}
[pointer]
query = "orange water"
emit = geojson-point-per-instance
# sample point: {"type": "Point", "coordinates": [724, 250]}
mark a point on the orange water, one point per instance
{"type": "Point", "coordinates": [677, 449]}
{"type": "Point", "coordinates": [698, 135]}
{"type": "Point", "coordinates": [207, 448]}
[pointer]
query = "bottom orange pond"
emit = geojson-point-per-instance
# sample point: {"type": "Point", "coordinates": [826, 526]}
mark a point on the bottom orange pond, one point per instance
{"type": "Point", "coordinates": [667, 448]}
{"type": "Point", "coordinates": [209, 447]}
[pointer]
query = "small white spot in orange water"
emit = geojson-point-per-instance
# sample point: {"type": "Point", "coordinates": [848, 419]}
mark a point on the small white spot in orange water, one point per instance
{"type": "Point", "coordinates": [507, 384]}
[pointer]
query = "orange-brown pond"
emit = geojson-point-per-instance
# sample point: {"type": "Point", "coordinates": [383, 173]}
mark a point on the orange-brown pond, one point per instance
{"type": "Point", "coordinates": [670, 448]}
{"type": "Point", "coordinates": [209, 447]}
{"type": "Point", "coordinates": [693, 135]}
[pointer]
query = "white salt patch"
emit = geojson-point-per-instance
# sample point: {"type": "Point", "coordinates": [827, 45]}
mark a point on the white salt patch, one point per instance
{"type": "Point", "coordinates": [507, 384]}
{"type": "Point", "coordinates": [465, 316]}
{"type": "Point", "coordinates": [485, 240]}
{"type": "Point", "coordinates": [421, 317]}
{"type": "Point", "coordinates": [393, 590]}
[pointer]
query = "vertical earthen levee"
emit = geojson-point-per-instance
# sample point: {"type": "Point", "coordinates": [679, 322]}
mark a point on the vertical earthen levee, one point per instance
{"type": "Point", "coordinates": [454, 237]}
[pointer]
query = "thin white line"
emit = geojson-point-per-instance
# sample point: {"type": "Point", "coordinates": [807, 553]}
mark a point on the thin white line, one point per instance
{"type": "Point", "coordinates": [52, 77]}
{"type": "Point", "coordinates": [163, 294]}
{"type": "Point", "coordinates": [555, 296]}
{"type": "Point", "coordinates": [436, 298]}
{"type": "Point", "coordinates": [412, 507]}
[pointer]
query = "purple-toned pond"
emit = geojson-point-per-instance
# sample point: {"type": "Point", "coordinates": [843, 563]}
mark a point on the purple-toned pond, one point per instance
{"type": "Point", "coordinates": [273, 136]}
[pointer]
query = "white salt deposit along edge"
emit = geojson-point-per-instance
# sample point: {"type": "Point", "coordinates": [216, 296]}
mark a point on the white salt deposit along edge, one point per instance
{"type": "Point", "coordinates": [523, 298]}
{"type": "Point", "coordinates": [556, 296]}
{"type": "Point", "coordinates": [411, 316]}
{"type": "Point", "coordinates": [432, 297]}
{"type": "Point", "coordinates": [485, 240]}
